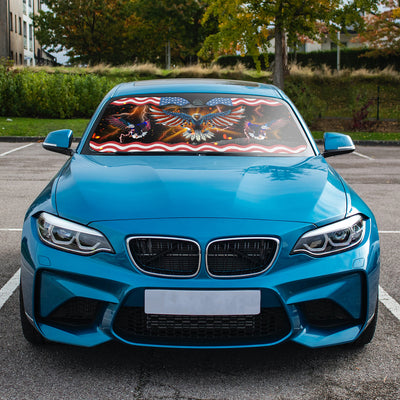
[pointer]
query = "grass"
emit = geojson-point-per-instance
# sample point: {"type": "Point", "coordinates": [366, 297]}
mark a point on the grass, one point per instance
{"type": "Point", "coordinates": [149, 71]}
{"type": "Point", "coordinates": [199, 70]}
{"type": "Point", "coordinates": [41, 127]}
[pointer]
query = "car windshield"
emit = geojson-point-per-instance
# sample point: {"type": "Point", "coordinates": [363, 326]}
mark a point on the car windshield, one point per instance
{"type": "Point", "coordinates": [199, 123]}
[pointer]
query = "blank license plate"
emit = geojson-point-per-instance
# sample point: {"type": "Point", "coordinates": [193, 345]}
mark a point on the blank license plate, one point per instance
{"type": "Point", "coordinates": [202, 302]}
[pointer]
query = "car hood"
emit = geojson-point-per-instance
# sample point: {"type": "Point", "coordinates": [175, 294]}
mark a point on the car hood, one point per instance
{"type": "Point", "coordinates": [113, 187]}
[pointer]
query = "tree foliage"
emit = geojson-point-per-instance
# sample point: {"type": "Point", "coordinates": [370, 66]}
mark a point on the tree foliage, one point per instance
{"type": "Point", "coordinates": [382, 32]}
{"type": "Point", "coordinates": [175, 21]}
{"type": "Point", "coordinates": [248, 26]}
{"type": "Point", "coordinates": [121, 31]}
{"type": "Point", "coordinates": [92, 30]}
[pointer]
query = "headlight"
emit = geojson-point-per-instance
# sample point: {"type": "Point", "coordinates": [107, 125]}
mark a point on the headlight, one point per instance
{"type": "Point", "coordinates": [69, 236]}
{"type": "Point", "coordinates": [333, 238]}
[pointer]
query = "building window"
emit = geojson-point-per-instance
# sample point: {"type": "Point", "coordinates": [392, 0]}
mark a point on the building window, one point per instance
{"type": "Point", "coordinates": [30, 37]}
{"type": "Point", "coordinates": [11, 22]}
{"type": "Point", "coordinates": [20, 58]}
{"type": "Point", "coordinates": [301, 48]}
{"type": "Point", "coordinates": [25, 36]}
{"type": "Point", "coordinates": [20, 25]}
{"type": "Point", "coordinates": [15, 26]}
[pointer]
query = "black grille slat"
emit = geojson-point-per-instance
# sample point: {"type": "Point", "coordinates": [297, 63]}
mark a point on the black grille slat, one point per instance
{"type": "Point", "coordinates": [236, 257]}
{"type": "Point", "coordinates": [165, 256]}
{"type": "Point", "coordinates": [132, 324]}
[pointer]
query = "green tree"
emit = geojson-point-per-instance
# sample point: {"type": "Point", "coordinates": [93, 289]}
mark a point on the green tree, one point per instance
{"type": "Point", "coordinates": [382, 33]}
{"type": "Point", "coordinates": [248, 26]}
{"type": "Point", "coordinates": [177, 22]}
{"type": "Point", "coordinates": [91, 31]}
{"type": "Point", "coordinates": [121, 31]}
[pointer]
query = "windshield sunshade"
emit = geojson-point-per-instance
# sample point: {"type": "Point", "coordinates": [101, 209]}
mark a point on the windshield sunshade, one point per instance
{"type": "Point", "coordinates": [199, 123]}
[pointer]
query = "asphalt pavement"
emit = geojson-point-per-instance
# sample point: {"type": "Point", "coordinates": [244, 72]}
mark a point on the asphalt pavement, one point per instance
{"type": "Point", "coordinates": [117, 371]}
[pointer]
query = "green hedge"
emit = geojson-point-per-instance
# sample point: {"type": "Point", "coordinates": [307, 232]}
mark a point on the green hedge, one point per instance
{"type": "Point", "coordinates": [77, 93]}
{"type": "Point", "coordinates": [247, 61]}
{"type": "Point", "coordinates": [349, 59]}
{"type": "Point", "coordinates": [44, 95]}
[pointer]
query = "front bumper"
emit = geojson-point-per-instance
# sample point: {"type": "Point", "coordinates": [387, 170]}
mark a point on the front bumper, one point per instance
{"type": "Point", "coordinates": [91, 300]}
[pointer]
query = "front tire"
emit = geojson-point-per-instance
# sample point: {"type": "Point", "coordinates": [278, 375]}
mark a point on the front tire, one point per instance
{"type": "Point", "coordinates": [29, 332]}
{"type": "Point", "coordinates": [369, 331]}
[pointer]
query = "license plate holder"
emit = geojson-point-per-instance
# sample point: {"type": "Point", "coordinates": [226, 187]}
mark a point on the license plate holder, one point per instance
{"type": "Point", "coordinates": [202, 302]}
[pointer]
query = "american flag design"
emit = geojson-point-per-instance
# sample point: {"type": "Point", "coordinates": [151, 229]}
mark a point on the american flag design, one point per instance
{"type": "Point", "coordinates": [165, 119]}
{"type": "Point", "coordinates": [180, 101]}
{"type": "Point", "coordinates": [156, 101]}
{"type": "Point", "coordinates": [113, 147]}
{"type": "Point", "coordinates": [227, 101]}
{"type": "Point", "coordinates": [137, 101]}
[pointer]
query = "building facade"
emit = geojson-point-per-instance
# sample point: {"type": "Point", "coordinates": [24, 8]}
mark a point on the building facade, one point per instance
{"type": "Point", "coordinates": [17, 34]}
{"type": "Point", "coordinates": [348, 40]}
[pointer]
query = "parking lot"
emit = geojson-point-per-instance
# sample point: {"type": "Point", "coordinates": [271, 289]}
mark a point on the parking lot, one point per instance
{"type": "Point", "coordinates": [117, 371]}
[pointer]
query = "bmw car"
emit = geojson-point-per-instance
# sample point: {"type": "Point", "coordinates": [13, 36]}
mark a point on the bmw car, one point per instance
{"type": "Point", "coordinates": [198, 214]}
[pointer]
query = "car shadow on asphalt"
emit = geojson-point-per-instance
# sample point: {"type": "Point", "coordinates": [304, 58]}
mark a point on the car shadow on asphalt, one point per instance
{"type": "Point", "coordinates": [288, 356]}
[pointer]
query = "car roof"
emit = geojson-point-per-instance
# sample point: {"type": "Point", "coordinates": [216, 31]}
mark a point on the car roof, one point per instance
{"type": "Point", "coordinates": [221, 86]}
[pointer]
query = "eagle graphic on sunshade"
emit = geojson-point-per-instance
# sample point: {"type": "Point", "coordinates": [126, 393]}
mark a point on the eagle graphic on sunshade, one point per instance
{"type": "Point", "coordinates": [196, 126]}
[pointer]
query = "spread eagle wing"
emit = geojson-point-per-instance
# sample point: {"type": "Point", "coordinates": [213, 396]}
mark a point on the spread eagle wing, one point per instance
{"type": "Point", "coordinates": [219, 119]}
{"type": "Point", "coordinates": [225, 118]}
{"type": "Point", "coordinates": [119, 123]}
{"type": "Point", "coordinates": [170, 118]}
{"type": "Point", "coordinates": [278, 124]}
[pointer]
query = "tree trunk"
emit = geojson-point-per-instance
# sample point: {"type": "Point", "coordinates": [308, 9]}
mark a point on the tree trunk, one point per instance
{"type": "Point", "coordinates": [278, 73]}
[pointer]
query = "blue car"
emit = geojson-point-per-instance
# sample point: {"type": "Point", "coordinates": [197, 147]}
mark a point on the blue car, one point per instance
{"type": "Point", "coordinates": [198, 214]}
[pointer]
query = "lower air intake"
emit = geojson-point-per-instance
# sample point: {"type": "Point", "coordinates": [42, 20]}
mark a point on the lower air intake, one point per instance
{"type": "Point", "coordinates": [325, 313]}
{"type": "Point", "coordinates": [132, 324]}
{"type": "Point", "coordinates": [77, 312]}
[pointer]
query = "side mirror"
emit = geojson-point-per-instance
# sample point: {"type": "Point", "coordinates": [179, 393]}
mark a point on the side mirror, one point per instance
{"type": "Point", "coordinates": [337, 143]}
{"type": "Point", "coordinates": [59, 141]}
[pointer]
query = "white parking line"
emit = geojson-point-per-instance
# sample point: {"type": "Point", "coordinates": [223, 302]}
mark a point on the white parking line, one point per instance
{"type": "Point", "coordinates": [389, 302]}
{"type": "Point", "coordinates": [18, 148]}
{"type": "Point", "coordinates": [362, 155]}
{"type": "Point", "coordinates": [9, 288]}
